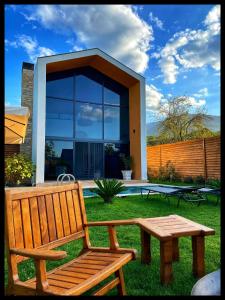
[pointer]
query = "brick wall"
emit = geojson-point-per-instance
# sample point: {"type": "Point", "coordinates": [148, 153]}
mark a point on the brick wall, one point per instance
{"type": "Point", "coordinates": [27, 100]}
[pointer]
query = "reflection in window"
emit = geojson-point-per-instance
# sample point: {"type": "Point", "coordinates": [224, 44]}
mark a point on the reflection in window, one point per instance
{"type": "Point", "coordinates": [111, 123]}
{"type": "Point", "coordinates": [60, 88]}
{"type": "Point", "coordinates": [124, 123]}
{"type": "Point", "coordinates": [88, 90]}
{"type": "Point", "coordinates": [111, 97]}
{"type": "Point", "coordinates": [88, 121]}
{"type": "Point", "coordinates": [113, 164]}
{"type": "Point", "coordinates": [58, 158]}
{"type": "Point", "coordinates": [59, 118]}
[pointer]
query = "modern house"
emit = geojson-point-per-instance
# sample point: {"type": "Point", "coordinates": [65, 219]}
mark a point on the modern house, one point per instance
{"type": "Point", "coordinates": [87, 108]}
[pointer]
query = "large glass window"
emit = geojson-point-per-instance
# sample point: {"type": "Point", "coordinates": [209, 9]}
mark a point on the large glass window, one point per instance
{"type": "Point", "coordinates": [111, 123]}
{"type": "Point", "coordinates": [88, 90]}
{"type": "Point", "coordinates": [60, 88]}
{"type": "Point", "coordinates": [88, 121]}
{"type": "Point", "coordinates": [58, 158]}
{"type": "Point", "coordinates": [87, 124]}
{"type": "Point", "coordinates": [111, 97]}
{"type": "Point", "coordinates": [59, 118]}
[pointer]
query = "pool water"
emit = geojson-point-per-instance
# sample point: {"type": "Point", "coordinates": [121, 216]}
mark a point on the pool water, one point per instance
{"type": "Point", "coordinates": [130, 190]}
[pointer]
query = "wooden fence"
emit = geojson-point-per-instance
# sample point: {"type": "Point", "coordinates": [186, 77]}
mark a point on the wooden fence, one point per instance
{"type": "Point", "coordinates": [11, 149]}
{"type": "Point", "coordinates": [193, 158]}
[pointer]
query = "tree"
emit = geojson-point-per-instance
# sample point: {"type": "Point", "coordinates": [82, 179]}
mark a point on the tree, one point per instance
{"type": "Point", "coordinates": [180, 119]}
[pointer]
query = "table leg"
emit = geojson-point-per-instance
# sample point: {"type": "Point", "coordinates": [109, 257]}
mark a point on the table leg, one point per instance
{"type": "Point", "coordinates": [145, 247]}
{"type": "Point", "coordinates": [166, 254]}
{"type": "Point", "coordinates": [198, 248]}
{"type": "Point", "coordinates": [175, 249]}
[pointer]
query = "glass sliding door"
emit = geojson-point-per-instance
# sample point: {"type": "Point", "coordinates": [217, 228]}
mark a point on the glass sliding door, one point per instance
{"type": "Point", "coordinates": [81, 161]}
{"type": "Point", "coordinates": [58, 158]}
{"type": "Point", "coordinates": [88, 160]}
{"type": "Point", "coordinates": [96, 160]}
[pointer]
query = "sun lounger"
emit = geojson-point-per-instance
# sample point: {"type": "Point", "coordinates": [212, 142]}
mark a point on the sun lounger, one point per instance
{"type": "Point", "coordinates": [188, 194]}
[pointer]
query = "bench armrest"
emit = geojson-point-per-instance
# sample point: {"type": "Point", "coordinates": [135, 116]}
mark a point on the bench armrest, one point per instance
{"type": "Point", "coordinates": [113, 222]}
{"type": "Point", "coordinates": [39, 254]}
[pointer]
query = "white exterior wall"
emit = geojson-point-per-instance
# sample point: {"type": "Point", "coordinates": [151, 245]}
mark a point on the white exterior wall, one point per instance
{"type": "Point", "coordinates": [39, 108]}
{"type": "Point", "coordinates": [143, 130]}
{"type": "Point", "coordinates": [39, 118]}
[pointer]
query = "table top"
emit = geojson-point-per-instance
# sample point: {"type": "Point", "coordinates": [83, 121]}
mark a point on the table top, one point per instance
{"type": "Point", "coordinates": [173, 226]}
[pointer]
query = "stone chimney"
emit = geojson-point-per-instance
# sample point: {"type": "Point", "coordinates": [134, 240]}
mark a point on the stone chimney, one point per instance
{"type": "Point", "coordinates": [27, 100]}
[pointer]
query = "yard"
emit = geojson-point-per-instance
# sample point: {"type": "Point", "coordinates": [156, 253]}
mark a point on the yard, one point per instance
{"type": "Point", "coordinates": [144, 280]}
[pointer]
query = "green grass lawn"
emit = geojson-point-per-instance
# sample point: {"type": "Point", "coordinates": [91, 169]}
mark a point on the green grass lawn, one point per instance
{"type": "Point", "coordinates": [144, 280]}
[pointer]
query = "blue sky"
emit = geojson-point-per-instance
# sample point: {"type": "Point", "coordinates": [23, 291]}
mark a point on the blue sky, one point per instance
{"type": "Point", "coordinates": [175, 47]}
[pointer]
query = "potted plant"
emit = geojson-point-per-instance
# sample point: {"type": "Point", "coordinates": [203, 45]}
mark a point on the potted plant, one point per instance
{"type": "Point", "coordinates": [108, 188]}
{"type": "Point", "coordinates": [18, 170]}
{"type": "Point", "coordinates": [127, 162]}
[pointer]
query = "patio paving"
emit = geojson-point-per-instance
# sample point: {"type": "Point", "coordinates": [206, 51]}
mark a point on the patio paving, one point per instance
{"type": "Point", "coordinates": [91, 183]}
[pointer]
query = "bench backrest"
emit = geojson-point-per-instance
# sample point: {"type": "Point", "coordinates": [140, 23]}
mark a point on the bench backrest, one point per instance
{"type": "Point", "coordinates": [44, 217]}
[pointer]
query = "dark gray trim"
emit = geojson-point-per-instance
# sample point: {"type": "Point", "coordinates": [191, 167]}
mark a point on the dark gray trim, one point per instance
{"type": "Point", "coordinates": [27, 66]}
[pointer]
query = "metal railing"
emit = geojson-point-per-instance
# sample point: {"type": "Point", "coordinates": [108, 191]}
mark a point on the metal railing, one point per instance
{"type": "Point", "coordinates": [61, 177]}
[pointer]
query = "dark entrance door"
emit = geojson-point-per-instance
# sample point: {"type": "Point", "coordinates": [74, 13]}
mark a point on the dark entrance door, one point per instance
{"type": "Point", "coordinates": [89, 160]}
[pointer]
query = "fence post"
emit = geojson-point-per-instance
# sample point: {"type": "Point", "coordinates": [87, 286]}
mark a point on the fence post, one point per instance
{"type": "Point", "coordinates": [204, 160]}
{"type": "Point", "coordinates": [160, 149]}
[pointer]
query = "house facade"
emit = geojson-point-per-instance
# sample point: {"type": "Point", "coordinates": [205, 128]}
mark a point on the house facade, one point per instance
{"type": "Point", "coordinates": [87, 109]}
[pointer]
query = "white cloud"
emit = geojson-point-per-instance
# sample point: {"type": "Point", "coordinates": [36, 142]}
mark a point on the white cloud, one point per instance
{"type": "Point", "coordinates": [156, 99]}
{"type": "Point", "coordinates": [192, 48]}
{"type": "Point", "coordinates": [196, 103]}
{"type": "Point", "coordinates": [155, 55]}
{"type": "Point", "coordinates": [116, 29]}
{"type": "Point", "coordinates": [31, 47]}
{"type": "Point", "coordinates": [11, 43]}
{"type": "Point", "coordinates": [153, 97]}
{"type": "Point", "coordinates": [169, 69]}
{"type": "Point", "coordinates": [201, 93]}
{"type": "Point", "coordinates": [28, 17]}
{"type": "Point", "coordinates": [77, 48]}
{"type": "Point", "coordinates": [156, 20]}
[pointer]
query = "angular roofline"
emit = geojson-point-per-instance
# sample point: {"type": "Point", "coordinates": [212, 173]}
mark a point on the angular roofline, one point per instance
{"type": "Point", "coordinates": [100, 51]}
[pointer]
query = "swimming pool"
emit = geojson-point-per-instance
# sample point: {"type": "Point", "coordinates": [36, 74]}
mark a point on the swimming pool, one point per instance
{"type": "Point", "coordinates": [130, 190]}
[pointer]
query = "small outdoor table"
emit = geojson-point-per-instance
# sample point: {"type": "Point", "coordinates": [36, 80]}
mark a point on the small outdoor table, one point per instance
{"type": "Point", "coordinates": [168, 229]}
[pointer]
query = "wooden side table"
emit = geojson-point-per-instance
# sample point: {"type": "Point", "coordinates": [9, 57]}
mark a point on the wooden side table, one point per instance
{"type": "Point", "coordinates": [168, 229]}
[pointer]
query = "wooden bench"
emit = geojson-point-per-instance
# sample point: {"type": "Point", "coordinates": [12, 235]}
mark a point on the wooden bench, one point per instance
{"type": "Point", "coordinates": [39, 219]}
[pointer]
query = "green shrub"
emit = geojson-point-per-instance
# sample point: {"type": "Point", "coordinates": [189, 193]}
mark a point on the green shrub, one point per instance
{"type": "Point", "coordinates": [199, 179]}
{"type": "Point", "coordinates": [188, 179]}
{"type": "Point", "coordinates": [162, 173]}
{"type": "Point", "coordinates": [18, 168]}
{"type": "Point", "coordinates": [127, 161]}
{"type": "Point", "coordinates": [108, 188]}
{"type": "Point", "coordinates": [214, 183]}
{"type": "Point", "coordinates": [168, 172]}
{"type": "Point", "coordinates": [150, 174]}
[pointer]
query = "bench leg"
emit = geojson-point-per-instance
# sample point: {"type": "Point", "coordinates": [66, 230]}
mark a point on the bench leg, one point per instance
{"type": "Point", "coordinates": [121, 286]}
{"type": "Point", "coordinates": [198, 248]}
{"type": "Point", "coordinates": [145, 247]}
{"type": "Point", "coordinates": [176, 255]}
{"type": "Point", "coordinates": [166, 254]}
